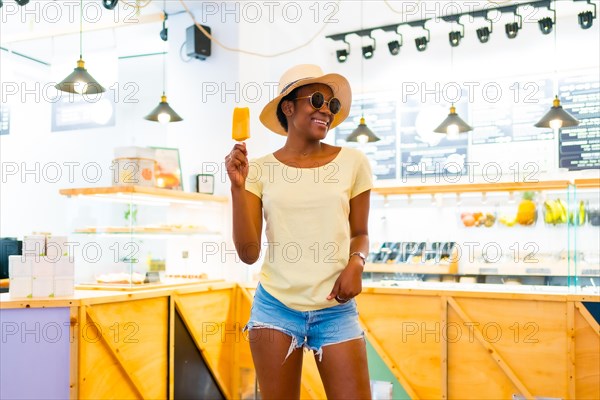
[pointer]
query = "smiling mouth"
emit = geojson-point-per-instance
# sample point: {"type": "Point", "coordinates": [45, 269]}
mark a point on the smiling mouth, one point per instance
{"type": "Point", "coordinates": [320, 122]}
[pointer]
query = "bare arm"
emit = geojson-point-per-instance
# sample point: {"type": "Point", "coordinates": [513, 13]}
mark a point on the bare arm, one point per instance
{"type": "Point", "coordinates": [247, 208]}
{"type": "Point", "coordinates": [349, 283]}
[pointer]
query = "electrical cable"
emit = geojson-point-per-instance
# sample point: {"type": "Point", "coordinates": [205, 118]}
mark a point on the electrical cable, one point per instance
{"type": "Point", "coordinates": [253, 53]}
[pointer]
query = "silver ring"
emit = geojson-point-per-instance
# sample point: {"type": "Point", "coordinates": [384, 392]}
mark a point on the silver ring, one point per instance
{"type": "Point", "coordinates": [339, 299]}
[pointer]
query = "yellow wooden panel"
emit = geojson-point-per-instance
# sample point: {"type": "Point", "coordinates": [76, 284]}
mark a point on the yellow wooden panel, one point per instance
{"type": "Point", "coordinates": [137, 330]}
{"type": "Point", "coordinates": [526, 334]}
{"type": "Point", "coordinates": [407, 328]}
{"type": "Point", "coordinates": [210, 315]}
{"type": "Point", "coordinates": [102, 378]}
{"type": "Point", "coordinates": [587, 360]}
{"type": "Point", "coordinates": [472, 373]}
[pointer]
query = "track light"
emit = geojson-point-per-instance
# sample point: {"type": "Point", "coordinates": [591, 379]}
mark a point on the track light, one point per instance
{"type": "Point", "coordinates": [546, 25]}
{"type": "Point", "coordinates": [21, 2]}
{"type": "Point", "coordinates": [109, 4]}
{"type": "Point", "coordinates": [369, 50]}
{"type": "Point", "coordinates": [586, 19]}
{"type": "Point", "coordinates": [421, 42]}
{"type": "Point", "coordinates": [455, 36]}
{"type": "Point", "coordinates": [483, 34]}
{"type": "Point", "coordinates": [394, 47]}
{"type": "Point", "coordinates": [342, 55]}
{"type": "Point", "coordinates": [512, 29]}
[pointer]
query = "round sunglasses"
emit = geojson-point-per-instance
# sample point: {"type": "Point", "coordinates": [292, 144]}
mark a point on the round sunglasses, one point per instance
{"type": "Point", "coordinates": [317, 100]}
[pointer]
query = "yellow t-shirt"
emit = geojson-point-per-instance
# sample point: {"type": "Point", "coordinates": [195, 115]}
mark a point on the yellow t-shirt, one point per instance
{"type": "Point", "coordinates": [308, 233]}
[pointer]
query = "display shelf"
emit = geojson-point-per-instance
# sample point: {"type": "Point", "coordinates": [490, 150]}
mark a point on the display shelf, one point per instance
{"type": "Point", "coordinates": [142, 231]}
{"type": "Point", "coordinates": [473, 188]}
{"type": "Point", "coordinates": [589, 183]}
{"type": "Point", "coordinates": [411, 268]}
{"type": "Point", "coordinates": [136, 194]}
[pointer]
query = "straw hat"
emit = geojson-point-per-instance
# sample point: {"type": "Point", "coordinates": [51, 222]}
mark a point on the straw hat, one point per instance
{"type": "Point", "coordinates": [301, 75]}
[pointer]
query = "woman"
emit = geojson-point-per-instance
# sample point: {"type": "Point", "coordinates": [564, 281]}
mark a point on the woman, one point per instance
{"type": "Point", "coordinates": [315, 200]}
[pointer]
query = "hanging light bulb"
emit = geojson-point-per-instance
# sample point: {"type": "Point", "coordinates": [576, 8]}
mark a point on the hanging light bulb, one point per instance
{"type": "Point", "coordinates": [362, 134]}
{"type": "Point", "coordinates": [163, 112]}
{"type": "Point", "coordinates": [453, 125]}
{"type": "Point", "coordinates": [557, 118]}
{"type": "Point", "coordinates": [80, 81]}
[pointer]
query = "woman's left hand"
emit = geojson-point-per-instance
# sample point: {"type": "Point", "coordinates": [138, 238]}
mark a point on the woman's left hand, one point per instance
{"type": "Point", "coordinates": [349, 284]}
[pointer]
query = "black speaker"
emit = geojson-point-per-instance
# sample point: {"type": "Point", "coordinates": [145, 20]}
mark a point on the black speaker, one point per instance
{"type": "Point", "coordinates": [197, 43]}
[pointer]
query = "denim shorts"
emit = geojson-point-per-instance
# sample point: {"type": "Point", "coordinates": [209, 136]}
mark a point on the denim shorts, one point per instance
{"type": "Point", "coordinates": [309, 329]}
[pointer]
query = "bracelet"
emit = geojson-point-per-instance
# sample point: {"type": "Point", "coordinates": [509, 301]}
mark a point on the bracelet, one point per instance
{"type": "Point", "coordinates": [361, 255]}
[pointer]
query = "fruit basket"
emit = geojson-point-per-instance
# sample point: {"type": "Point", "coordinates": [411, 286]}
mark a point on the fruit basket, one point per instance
{"type": "Point", "coordinates": [478, 219]}
{"type": "Point", "coordinates": [557, 212]}
{"type": "Point", "coordinates": [525, 213]}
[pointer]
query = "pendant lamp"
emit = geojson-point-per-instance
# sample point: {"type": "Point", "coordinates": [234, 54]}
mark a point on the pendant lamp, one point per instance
{"type": "Point", "coordinates": [80, 81]}
{"type": "Point", "coordinates": [362, 134]}
{"type": "Point", "coordinates": [163, 112]}
{"type": "Point", "coordinates": [453, 124]}
{"type": "Point", "coordinates": [557, 117]}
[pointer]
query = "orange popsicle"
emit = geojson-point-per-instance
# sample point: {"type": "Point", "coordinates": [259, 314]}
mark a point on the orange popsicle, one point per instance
{"type": "Point", "coordinates": [241, 124]}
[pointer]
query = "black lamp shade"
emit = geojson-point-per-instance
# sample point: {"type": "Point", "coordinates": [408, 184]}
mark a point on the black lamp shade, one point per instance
{"type": "Point", "coordinates": [362, 134]}
{"type": "Point", "coordinates": [163, 112]}
{"type": "Point", "coordinates": [512, 29]}
{"type": "Point", "coordinates": [557, 113]}
{"type": "Point", "coordinates": [80, 81]}
{"type": "Point", "coordinates": [453, 119]}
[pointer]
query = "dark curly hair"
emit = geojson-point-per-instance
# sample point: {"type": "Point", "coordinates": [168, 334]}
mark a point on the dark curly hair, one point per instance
{"type": "Point", "coordinates": [280, 115]}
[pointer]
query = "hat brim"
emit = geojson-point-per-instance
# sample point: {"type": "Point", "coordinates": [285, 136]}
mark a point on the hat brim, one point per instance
{"type": "Point", "coordinates": [338, 84]}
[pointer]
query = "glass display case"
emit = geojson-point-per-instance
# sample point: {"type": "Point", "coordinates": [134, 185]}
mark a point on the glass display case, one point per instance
{"type": "Point", "coordinates": [539, 233]}
{"type": "Point", "coordinates": [132, 236]}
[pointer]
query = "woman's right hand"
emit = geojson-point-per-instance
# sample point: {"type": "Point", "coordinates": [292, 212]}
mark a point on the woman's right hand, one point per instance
{"type": "Point", "coordinates": [236, 163]}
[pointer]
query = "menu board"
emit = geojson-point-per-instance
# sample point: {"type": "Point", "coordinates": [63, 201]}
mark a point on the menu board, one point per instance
{"type": "Point", "coordinates": [380, 116]}
{"type": "Point", "coordinates": [4, 119]}
{"type": "Point", "coordinates": [424, 152]}
{"type": "Point", "coordinates": [579, 146]}
{"type": "Point", "coordinates": [511, 116]}
{"type": "Point", "coordinates": [73, 111]}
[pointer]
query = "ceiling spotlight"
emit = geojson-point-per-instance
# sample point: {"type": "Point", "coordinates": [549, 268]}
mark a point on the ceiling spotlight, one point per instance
{"type": "Point", "coordinates": [454, 38]}
{"type": "Point", "coordinates": [21, 2]}
{"type": "Point", "coordinates": [512, 29]}
{"type": "Point", "coordinates": [421, 43]}
{"type": "Point", "coordinates": [109, 4]}
{"type": "Point", "coordinates": [369, 50]}
{"type": "Point", "coordinates": [586, 19]}
{"type": "Point", "coordinates": [394, 47]}
{"type": "Point", "coordinates": [483, 34]}
{"type": "Point", "coordinates": [546, 25]}
{"type": "Point", "coordinates": [342, 55]}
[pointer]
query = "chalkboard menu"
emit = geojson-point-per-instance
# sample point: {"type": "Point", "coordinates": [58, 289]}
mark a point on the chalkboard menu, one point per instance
{"type": "Point", "coordinates": [380, 115]}
{"type": "Point", "coordinates": [511, 116]}
{"type": "Point", "coordinates": [73, 111]}
{"type": "Point", "coordinates": [4, 119]}
{"type": "Point", "coordinates": [579, 146]}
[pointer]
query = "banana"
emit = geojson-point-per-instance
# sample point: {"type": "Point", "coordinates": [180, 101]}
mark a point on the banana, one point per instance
{"type": "Point", "coordinates": [563, 211]}
{"type": "Point", "coordinates": [581, 212]}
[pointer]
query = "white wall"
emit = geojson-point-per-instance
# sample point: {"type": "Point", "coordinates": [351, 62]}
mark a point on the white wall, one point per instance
{"type": "Point", "coordinates": [203, 138]}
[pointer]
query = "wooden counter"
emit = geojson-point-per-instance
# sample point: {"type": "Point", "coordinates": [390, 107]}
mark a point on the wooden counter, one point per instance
{"type": "Point", "coordinates": [438, 341]}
